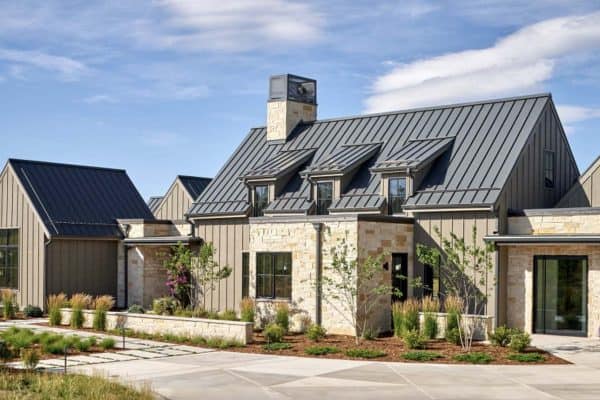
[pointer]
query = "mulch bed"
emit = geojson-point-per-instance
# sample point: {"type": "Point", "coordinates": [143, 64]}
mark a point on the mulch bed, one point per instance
{"type": "Point", "coordinates": [392, 346]}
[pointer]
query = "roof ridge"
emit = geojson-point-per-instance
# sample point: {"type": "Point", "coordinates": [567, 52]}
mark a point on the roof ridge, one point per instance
{"type": "Point", "coordinates": [57, 164]}
{"type": "Point", "coordinates": [194, 177]}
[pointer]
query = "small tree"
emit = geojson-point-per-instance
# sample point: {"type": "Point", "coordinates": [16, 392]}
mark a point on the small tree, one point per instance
{"type": "Point", "coordinates": [464, 272]}
{"type": "Point", "coordinates": [352, 287]}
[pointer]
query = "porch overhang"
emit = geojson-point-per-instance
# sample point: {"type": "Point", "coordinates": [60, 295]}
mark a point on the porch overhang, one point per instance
{"type": "Point", "coordinates": [161, 240]}
{"type": "Point", "coordinates": [541, 239]}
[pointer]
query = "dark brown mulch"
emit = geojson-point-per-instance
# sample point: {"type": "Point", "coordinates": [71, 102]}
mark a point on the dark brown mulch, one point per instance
{"type": "Point", "coordinates": [392, 346]}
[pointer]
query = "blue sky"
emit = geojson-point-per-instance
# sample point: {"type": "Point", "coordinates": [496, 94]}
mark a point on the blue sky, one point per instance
{"type": "Point", "coordinates": [167, 87]}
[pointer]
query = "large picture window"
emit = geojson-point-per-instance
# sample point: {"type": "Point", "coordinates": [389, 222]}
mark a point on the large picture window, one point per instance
{"type": "Point", "coordinates": [274, 275]}
{"type": "Point", "coordinates": [324, 197]}
{"type": "Point", "coordinates": [261, 200]}
{"type": "Point", "coordinates": [9, 258]}
{"type": "Point", "coordinates": [396, 194]}
{"type": "Point", "coordinates": [245, 274]}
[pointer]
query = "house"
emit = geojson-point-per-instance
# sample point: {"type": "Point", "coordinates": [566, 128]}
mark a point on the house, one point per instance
{"type": "Point", "coordinates": [59, 230]}
{"type": "Point", "coordinates": [384, 182]}
{"type": "Point", "coordinates": [178, 199]}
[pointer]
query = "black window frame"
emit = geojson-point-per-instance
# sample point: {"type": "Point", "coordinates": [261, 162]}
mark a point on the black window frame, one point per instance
{"type": "Point", "coordinates": [259, 205]}
{"type": "Point", "coordinates": [392, 197]}
{"type": "Point", "coordinates": [267, 281]}
{"type": "Point", "coordinates": [549, 169]}
{"type": "Point", "coordinates": [323, 204]}
{"type": "Point", "coordinates": [9, 274]}
{"type": "Point", "coordinates": [245, 274]}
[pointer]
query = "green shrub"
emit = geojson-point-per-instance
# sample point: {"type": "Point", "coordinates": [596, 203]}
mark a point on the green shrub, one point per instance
{"type": "Point", "coordinates": [282, 316]}
{"type": "Point", "coordinates": [431, 306]}
{"type": "Point", "coordinates": [453, 336]}
{"type": "Point", "coordinates": [453, 306]}
{"type": "Point", "coordinates": [9, 306]}
{"type": "Point", "coordinates": [108, 343]}
{"type": "Point", "coordinates": [421, 356]}
{"type": "Point", "coordinates": [228, 315]}
{"type": "Point", "coordinates": [221, 343]}
{"type": "Point", "coordinates": [183, 312]}
{"type": "Point", "coordinates": [5, 352]}
{"type": "Point", "coordinates": [370, 333]}
{"type": "Point", "coordinates": [397, 318]}
{"type": "Point", "coordinates": [277, 346]}
{"type": "Point", "coordinates": [164, 306]}
{"type": "Point", "coordinates": [519, 341]}
{"type": "Point", "coordinates": [99, 322]}
{"type": "Point", "coordinates": [410, 321]}
{"type": "Point", "coordinates": [83, 345]}
{"type": "Point", "coordinates": [501, 336]}
{"type": "Point", "coordinates": [247, 310]}
{"type": "Point", "coordinates": [93, 340]}
{"type": "Point", "coordinates": [365, 353]}
{"type": "Point", "coordinates": [414, 340]}
{"type": "Point", "coordinates": [19, 338]}
{"type": "Point", "coordinates": [55, 303]}
{"type": "Point", "coordinates": [527, 357]}
{"type": "Point", "coordinates": [212, 315]}
{"type": "Point", "coordinates": [321, 350]}
{"type": "Point", "coordinates": [316, 332]}
{"type": "Point", "coordinates": [474, 358]}
{"type": "Point", "coordinates": [102, 305]}
{"type": "Point", "coordinates": [136, 309]}
{"type": "Point", "coordinates": [274, 333]}
{"type": "Point", "coordinates": [33, 311]}
{"type": "Point", "coordinates": [30, 358]}
{"type": "Point", "coordinates": [199, 312]}
{"type": "Point", "coordinates": [198, 340]}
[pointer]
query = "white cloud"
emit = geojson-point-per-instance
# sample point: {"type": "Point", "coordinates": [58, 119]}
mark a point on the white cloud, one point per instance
{"type": "Point", "coordinates": [68, 68]}
{"type": "Point", "coordinates": [570, 113]}
{"type": "Point", "coordinates": [521, 61]}
{"type": "Point", "coordinates": [100, 98]}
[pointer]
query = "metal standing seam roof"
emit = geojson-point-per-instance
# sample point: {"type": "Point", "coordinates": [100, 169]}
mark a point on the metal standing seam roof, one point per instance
{"type": "Point", "coordinates": [281, 164]}
{"type": "Point", "coordinates": [488, 137]}
{"type": "Point", "coordinates": [344, 159]}
{"type": "Point", "coordinates": [74, 200]}
{"type": "Point", "coordinates": [154, 202]}
{"type": "Point", "coordinates": [415, 154]}
{"type": "Point", "coordinates": [194, 185]}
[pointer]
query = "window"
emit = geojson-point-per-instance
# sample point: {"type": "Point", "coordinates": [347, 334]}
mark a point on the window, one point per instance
{"type": "Point", "coordinates": [261, 200]}
{"type": "Point", "coordinates": [396, 194]}
{"type": "Point", "coordinates": [9, 258]}
{"type": "Point", "coordinates": [431, 280]}
{"type": "Point", "coordinates": [274, 275]}
{"type": "Point", "coordinates": [324, 197]}
{"type": "Point", "coordinates": [548, 168]}
{"type": "Point", "coordinates": [245, 275]}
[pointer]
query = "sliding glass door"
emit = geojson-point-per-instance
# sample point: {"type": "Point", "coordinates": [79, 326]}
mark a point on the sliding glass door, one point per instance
{"type": "Point", "coordinates": [560, 295]}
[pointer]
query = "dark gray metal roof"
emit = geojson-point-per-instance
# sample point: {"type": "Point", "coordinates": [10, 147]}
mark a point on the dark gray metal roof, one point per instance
{"type": "Point", "coordinates": [415, 154]}
{"type": "Point", "coordinates": [488, 137]}
{"type": "Point", "coordinates": [283, 163]}
{"type": "Point", "coordinates": [74, 200]}
{"type": "Point", "coordinates": [154, 202]}
{"type": "Point", "coordinates": [194, 185]}
{"type": "Point", "coordinates": [520, 239]}
{"type": "Point", "coordinates": [342, 160]}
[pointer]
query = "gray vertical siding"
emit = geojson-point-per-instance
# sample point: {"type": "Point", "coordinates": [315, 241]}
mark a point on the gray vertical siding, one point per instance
{"type": "Point", "coordinates": [17, 212]}
{"type": "Point", "coordinates": [230, 238]}
{"type": "Point", "coordinates": [586, 191]}
{"type": "Point", "coordinates": [88, 266]}
{"type": "Point", "coordinates": [175, 203]}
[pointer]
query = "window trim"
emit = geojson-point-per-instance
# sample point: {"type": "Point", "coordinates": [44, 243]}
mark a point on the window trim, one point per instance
{"type": "Point", "coordinates": [256, 212]}
{"type": "Point", "coordinates": [324, 182]}
{"type": "Point", "coordinates": [273, 275]}
{"type": "Point", "coordinates": [7, 246]}
{"type": "Point", "coordinates": [552, 169]}
{"type": "Point", "coordinates": [389, 193]}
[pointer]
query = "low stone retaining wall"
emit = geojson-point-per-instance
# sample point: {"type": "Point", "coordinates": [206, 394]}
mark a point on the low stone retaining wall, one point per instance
{"type": "Point", "coordinates": [484, 324]}
{"type": "Point", "coordinates": [149, 323]}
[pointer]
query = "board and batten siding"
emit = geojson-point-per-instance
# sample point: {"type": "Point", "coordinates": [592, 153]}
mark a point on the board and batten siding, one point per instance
{"type": "Point", "coordinates": [82, 266]}
{"type": "Point", "coordinates": [230, 239]}
{"type": "Point", "coordinates": [586, 191]}
{"type": "Point", "coordinates": [16, 211]}
{"type": "Point", "coordinates": [175, 203]}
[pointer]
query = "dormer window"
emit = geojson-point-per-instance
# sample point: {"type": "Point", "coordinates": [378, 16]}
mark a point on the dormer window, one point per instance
{"type": "Point", "coordinates": [261, 199]}
{"type": "Point", "coordinates": [396, 194]}
{"type": "Point", "coordinates": [324, 197]}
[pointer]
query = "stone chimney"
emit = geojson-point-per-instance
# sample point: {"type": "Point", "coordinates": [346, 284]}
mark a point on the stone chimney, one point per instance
{"type": "Point", "coordinates": [292, 99]}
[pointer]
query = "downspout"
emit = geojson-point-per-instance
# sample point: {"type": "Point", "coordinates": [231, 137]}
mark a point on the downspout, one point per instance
{"type": "Point", "coordinates": [46, 244]}
{"type": "Point", "coordinates": [126, 275]}
{"type": "Point", "coordinates": [318, 264]}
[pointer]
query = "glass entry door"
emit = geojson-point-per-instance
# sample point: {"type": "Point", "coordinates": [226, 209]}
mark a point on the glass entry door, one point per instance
{"type": "Point", "coordinates": [560, 295]}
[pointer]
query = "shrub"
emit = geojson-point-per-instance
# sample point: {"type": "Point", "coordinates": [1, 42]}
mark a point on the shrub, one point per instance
{"type": "Point", "coordinates": [84, 345]}
{"type": "Point", "coordinates": [19, 338]}
{"type": "Point", "coordinates": [33, 311]}
{"type": "Point", "coordinates": [93, 340]}
{"type": "Point", "coordinates": [102, 304]}
{"type": "Point", "coordinates": [474, 358]}
{"type": "Point", "coordinates": [221, 343]}
{"type": "Point", "coordinates": [316, 332]}
{"type": "Point", "coordinates": [365, 353]}
{"type": "Point", "coordinates": [397, 318]}
{"type": "Point", "coordinates": [421, 356]}
{"type": "Point", "coordinates": [247, 310]}
{"type": "Point", "coordinates": [277, 346]}
{"type": "Point", "coordinates": [164, 306]}
{"type": "Point", "coordinates": [282, 315]}
{"type": "Point", "coordinates": [501, 336]}
{"type": "Point", "coordinates": [370, 333]}
{"type": "Point", "coordinates": [414, 340]}
{"type": "Point", "coordinates": [453, 336]}
{"type": "Point", "coordinates": [519, 341]}
{"type": "Point", "coordinates": [212, 315]}
{"type": "Point", "coordinates": [55, 303]}
{"type": "Point", "coordinates": [5, 352]}
{"type": "Point", "coordinates": [527, 357]}
{"type": "Point", "coordinates": [136, 309]}
{"type": "Point", "coordinates": [30, 358]}
{"type": "Point", "coordinates": [431, 306]}
{"type": "Point", "coordinates": [8, 303]}
{"type": "Point", "coordinates": [321, 350]}
{"type": "Point", "coordinates": [199, 312]}
{"type": "Point", "coordinates": [453, 306]}
{"type": "Point", "coordinates": [107, 343]}
{"type": "Point", "coordinates": [228, 315]}
{"type": "Point", "coordinates": [183, 312]}
{"type": "Point", "coordinates": [79, 302]}
{"type": "Point", "coordinates": [410, 319]}
{"type": "Point", "coordinates": [274, 333]}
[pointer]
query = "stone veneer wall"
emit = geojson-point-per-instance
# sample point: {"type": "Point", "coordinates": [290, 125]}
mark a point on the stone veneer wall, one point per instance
{"type": "Point", "coordinates": [147, 275]}
{"type": "Point", "coordinates": [148, 323]}
{"type": "Point", "coordinates": [520, 282]}
{"type": "Point", "coordinates": [555, 224]}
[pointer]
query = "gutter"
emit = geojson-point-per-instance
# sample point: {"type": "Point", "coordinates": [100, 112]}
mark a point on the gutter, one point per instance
{"type": "Point", "coordinates": [318, 261]}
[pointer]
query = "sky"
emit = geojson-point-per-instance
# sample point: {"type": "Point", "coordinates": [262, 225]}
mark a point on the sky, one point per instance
{"type": "Point", "coordinates": [167, 87]}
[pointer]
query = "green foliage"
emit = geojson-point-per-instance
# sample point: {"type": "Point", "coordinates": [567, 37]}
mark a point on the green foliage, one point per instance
{"type": "Point", "coordinates": [9, 305]}
{"type": "Point", "coordinates": [108, 343]}
{"type": "Point", "coordinates": [519, 341]}
{"type": "Point", "coordinates": [321, 350]}
{"type": "Point", "coordinates": [453, 336]}
{"type": "Point", "coordinates": [164, 306]}
{"type": "Point", "coordinates": [370, 333]}
{"type": "Point", "coordinates": [212, 315]}
{"type": "Point", "coordinates": [93, 340]}
{"type": "Point", "coordinates": [273, 333]}
{"type": "Point", "coordinates": [228, 315]}
{"type": "Point", "coordinates": [365, 353]}
{"type": "Point", "coordinates": [5, 352]}
{"type": "Point", "coordinates": [30, 358]}
{"type": "Point", "coordinates": [421, 356]}
{"type": "Point", "coordinates": [18, 338]}
{"type": "Point", "coordinates": [282, 315]}
{"type": "Point", "coordinates": [414, 340]}
{"type": "Point", "coordinates": [474, 358]}
{"type": "Point", "coordinates": [430, 326]}
{"type": "Point", "coordinates": [99, 322]}
{"type": "Point", "coordinates": [247, 310]}
{"type": "Point", "coordinates": [54, 317]}
{"type": "Point", "coordinates": [83, 345]}
{"type": "Point", "coordinates": [527, 357]}
{"type": "Point", "coordinates": [276, 346]}
{"type": "Point", "coordinates": [397, 318]}
{"type": "Point", "coordinates": [501, 336]}
{"type": "Point", "coordinates": [136, 309]}
{"type": "Point", "coordinates": [55, 303]}
{"type": "Point", "coordinates": [316, 332]}
{"type": "Point", "coordinates": [221, 343]}
{"type": "Point", "coordinates": [33, 311]}
{"type": "Point", "coordinates": [77, 318]}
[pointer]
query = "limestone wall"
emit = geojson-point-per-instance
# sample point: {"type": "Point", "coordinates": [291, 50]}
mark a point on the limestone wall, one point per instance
{"type": "Point", "coordinates": [147, 275]}
{"type": "Point", "coordinates": [555, 224]}
{"type": "Point", "coordinates": [283, 116]}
